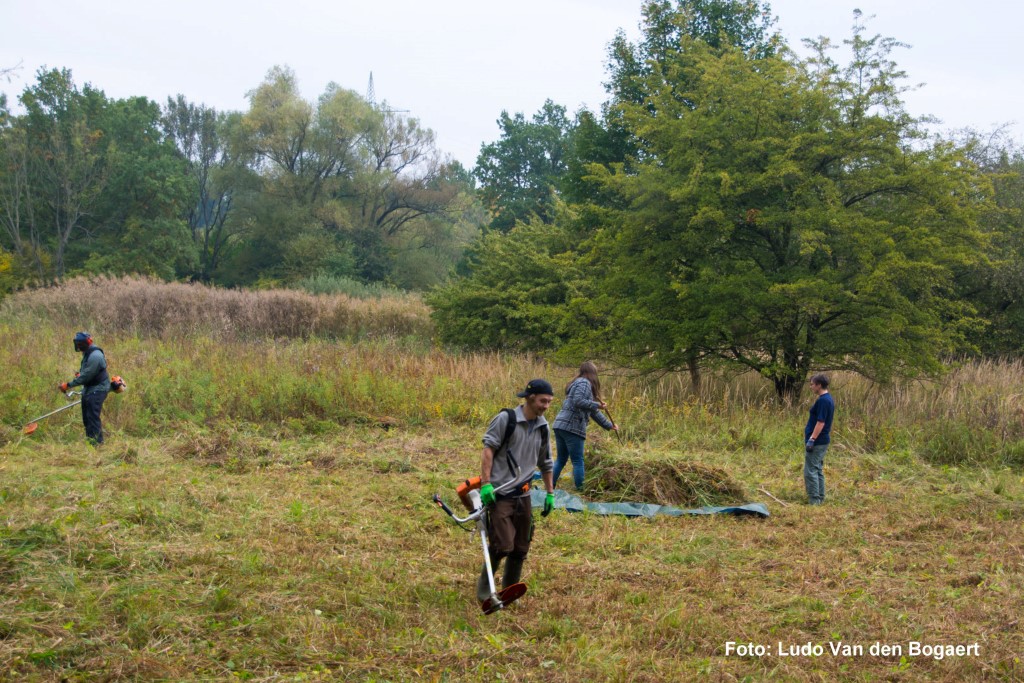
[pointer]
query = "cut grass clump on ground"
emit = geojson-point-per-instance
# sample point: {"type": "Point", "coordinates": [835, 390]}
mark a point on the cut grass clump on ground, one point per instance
{"type": "Point", "coordinates": [231, 450]}
{"type": "Point", "coordinates": [662, 479]}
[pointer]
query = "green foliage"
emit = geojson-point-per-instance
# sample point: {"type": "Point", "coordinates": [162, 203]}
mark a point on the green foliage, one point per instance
{"type": "Point", "coordinates": [516, 296]}
{"type": "Point", "coordinates": [996, 286]}
{"type": "Point", "coordinates": [217, 171]}
{"type": "Point", "coordinates": [159, 247]}
{"type": "Point", "coordinates": [274, 194]}
{"type": "Point", "coordinates": [784, 216]}
{"type": "Point", "coordinates": [325, 283]}
{"type": "Point", "coordinates": [520, 172]}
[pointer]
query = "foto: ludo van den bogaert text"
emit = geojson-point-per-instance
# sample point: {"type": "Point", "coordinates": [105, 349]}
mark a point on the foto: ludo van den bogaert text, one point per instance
{"type": "Point", "coordinates": [838, 648]}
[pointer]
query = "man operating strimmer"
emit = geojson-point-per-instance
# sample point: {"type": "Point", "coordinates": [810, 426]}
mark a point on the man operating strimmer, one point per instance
{"type": "Point", "coordinates": [95, 383]}
{"type": "Point", "coordinates": [505, 476]}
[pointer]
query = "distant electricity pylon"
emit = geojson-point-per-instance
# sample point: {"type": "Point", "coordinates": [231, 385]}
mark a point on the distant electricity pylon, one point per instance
{"type": "Point", "coordinates": [372, 99]}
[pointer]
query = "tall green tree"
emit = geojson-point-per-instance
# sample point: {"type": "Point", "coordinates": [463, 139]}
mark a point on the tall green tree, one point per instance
{"type": "Point", "coordinates": [520, 173]}
{"type": "Point", "coordinates": [137, 225]}
{"type": "Point", "coordinates": [217, 171]}
{"type": "Point", "coordinates": [406, 190]}
{"type": "Point", "coordinates": [304, 154]}
{"type": "Point", "coordinates": [66, 156]}
{"type": "Point", "coordinates": [786, 215]}
{"type": "Point", "coordinates": [346, 187]}
{"type": "Point", "coordinates": [22, 232]}
{"type": "Point", "coordinates": [996, 285]}
{"type": "Point", "coordinates": [667, 28]}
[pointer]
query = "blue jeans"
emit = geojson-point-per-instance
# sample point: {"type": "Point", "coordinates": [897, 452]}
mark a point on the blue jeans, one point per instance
{"type": "Point", "coordinates": [814, 475]}
{"type": "Point", "coordinates": [570, 447]}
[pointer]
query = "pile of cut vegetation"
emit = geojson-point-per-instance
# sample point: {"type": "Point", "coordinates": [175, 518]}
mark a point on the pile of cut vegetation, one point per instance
{"type": "Point", "coordinates": [658, 478]}
{"type": "Point", "coordinates": [231, 450]}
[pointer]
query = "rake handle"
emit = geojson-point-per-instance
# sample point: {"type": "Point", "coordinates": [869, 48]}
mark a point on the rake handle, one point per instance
{"type": "Point", "coordinates": [609, 414]}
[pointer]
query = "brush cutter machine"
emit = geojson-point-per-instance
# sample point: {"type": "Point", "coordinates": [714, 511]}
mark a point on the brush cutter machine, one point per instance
{"type": "Point", "coordinates": [469, 494]}
{"type": "Point", "coordinates": [117, 385]}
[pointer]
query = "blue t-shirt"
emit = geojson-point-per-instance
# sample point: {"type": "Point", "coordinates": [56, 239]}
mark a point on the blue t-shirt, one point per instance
{"type": "Point", "coordinates": [822, 411]}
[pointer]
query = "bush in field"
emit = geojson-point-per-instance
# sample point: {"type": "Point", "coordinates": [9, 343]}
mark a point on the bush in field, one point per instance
{"type": "Point", "coordinates": [148, 307]}
{"type": "Point", "coordinates": [323, 283]}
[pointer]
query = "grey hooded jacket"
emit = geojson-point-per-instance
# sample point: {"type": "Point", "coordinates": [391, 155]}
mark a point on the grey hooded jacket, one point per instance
{"type": "Point", "coordinates": [578, 407]}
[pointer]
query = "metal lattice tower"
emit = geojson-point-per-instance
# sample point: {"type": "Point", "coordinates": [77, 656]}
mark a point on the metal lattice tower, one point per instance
{"type": "Point", "coordinates": [371, 98]}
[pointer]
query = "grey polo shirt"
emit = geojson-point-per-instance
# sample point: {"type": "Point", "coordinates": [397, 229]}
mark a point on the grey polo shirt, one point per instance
{"type": "Point", "coordinates": [526, 448]}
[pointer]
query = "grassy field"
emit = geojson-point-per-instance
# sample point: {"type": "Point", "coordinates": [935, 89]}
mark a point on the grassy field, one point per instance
{"type": "Point", "coordinates": [262, 512]}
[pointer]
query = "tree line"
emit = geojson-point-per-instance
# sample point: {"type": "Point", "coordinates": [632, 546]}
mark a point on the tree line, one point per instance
{"type": "Point", "coordinates": [285, 190]}
{"type": "Point", "coordinates": [731, 205]}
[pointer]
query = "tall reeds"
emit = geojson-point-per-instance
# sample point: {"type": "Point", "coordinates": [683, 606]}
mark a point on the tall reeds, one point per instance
{"type": "Point", "coordinates": [152, 308]}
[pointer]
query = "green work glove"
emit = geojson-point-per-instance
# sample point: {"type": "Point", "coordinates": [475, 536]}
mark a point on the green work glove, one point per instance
{"type": "Point", "coordinates": [487, 494]}
{"type": "Point", "coordinates": [549, 504]}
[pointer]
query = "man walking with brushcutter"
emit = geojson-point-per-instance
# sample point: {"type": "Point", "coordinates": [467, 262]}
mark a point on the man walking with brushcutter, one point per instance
{"type": "Point", "coordinates": [817, 435]}
{"type": "Point", "coordinates": [506, 470]}
{"type": "Point", "coordinates": [95, 383]}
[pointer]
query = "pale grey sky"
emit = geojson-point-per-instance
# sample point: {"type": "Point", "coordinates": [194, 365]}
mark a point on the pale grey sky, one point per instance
{"type": "Point", "coordinates": [455, 64]}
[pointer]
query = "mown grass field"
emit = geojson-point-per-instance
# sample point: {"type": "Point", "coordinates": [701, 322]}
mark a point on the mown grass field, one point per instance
{"type": "Point", "coordinates": [262, 512]}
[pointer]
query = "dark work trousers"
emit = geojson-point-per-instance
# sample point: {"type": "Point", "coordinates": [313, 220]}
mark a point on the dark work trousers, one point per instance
{"type": "Point", "coordinates": [92, 404]}
{"type": "Point", "coordinates": [511, 527]}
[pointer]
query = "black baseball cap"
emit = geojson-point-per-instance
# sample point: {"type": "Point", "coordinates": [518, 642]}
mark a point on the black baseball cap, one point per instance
{"type": "Point", "coordinates": [537, 386]}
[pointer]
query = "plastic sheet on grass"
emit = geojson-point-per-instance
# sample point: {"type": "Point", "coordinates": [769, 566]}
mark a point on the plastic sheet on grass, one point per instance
{"type": "Point", "coordinates": [567, 501]}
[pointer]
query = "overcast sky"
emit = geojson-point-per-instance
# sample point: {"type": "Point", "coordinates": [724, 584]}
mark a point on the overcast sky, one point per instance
{"type": "Point", "coordinates": [456, 64]}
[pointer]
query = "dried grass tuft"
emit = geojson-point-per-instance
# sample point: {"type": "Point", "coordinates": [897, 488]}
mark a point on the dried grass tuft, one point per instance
{"type": "Point", "coordinates": [8, 434]}
{"type": "Point", "coordinates": [659, 479]}
{"type": "Point", "coordinates": [229, 450]}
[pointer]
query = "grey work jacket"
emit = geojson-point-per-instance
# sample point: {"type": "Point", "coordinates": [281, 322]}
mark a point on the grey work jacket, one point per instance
{"type": "Point", "coordinates": [526, 448]}
{"type": "Point", "coordinates": [579, 406]}
{"type": "Point", "coordinates": [92, 374]}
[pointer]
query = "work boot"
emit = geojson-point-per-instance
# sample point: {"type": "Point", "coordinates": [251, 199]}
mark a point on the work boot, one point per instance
{"type": "Point", "coordinates": [513, 571]}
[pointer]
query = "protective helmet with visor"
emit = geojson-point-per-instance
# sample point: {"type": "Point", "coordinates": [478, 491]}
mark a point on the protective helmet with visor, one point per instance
{"type": "Point", "coordinates": [82, 341]}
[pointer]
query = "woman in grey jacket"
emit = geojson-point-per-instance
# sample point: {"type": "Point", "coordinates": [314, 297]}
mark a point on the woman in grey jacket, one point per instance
{"type": "Point", "coordinates": [582, 402]}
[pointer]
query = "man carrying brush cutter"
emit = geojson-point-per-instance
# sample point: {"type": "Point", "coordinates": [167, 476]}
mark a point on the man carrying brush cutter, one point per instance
{"type": "Point", "coordinates": [505, 474]}
{"type": "Point", "coordinates": [95, 383]}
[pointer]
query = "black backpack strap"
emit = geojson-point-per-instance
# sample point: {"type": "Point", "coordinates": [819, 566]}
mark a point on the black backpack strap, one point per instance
{"type": "Point", "coordinates": [510, 427]}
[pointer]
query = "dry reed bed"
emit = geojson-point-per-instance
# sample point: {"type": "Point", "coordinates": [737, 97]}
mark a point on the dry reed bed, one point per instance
{"type": "Point", "coordinates": [148, 307]}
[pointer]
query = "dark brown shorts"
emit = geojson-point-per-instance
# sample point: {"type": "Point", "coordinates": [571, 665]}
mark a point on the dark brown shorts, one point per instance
{"type": "Point", "coordinates": [511, 526]}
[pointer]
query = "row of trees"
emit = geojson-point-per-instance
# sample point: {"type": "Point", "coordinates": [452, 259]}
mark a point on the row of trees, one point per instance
{"type": "Point", "coordinates": [737, 205]}
{"type": "Point", "coordinates": [285, 190]}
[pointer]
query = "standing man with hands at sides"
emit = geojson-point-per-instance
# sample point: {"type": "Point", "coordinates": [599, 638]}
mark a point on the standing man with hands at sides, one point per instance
{"type": "Point", "coordinates": [506, 471]}
{"type": "Point", "coordinates": [95, 382]}
{"type": "Point", "coordinates": [818, 435]}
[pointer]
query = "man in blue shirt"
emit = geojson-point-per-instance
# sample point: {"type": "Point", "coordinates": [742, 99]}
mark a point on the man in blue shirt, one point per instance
{"type": "Point", "coordinates": [817, 437]}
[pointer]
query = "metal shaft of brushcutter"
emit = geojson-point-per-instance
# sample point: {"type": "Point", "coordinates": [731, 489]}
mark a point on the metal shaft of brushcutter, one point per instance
{"type": "Point", "coordinates": [70, 394]}
{"type": "Point", "coordinates": [478, 516]}
{"type": "Point", "coordinates": [481, 523]}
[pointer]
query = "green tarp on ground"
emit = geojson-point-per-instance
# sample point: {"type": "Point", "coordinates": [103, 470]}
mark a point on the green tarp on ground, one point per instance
{"type": "Point", "coordinates": [571, 503]}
